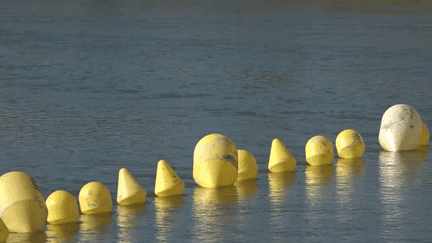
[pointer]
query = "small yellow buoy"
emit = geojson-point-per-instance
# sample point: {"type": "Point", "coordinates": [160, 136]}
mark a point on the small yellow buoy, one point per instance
{"type": "Point", "coordinates": [128, 190]}
{"type": "Point", "coordinates": [281, 160]}
{"type": "Point", "coordinates": [247, 166]}
{"type": "Point", "coordinates": [22, 207]}
{"type": "Point", "coordinates": [400, 128]}
{"type": "Point", "coordinates": [215, 161]}
{"type": "Point", "coordinates": [168, 183]}
{"type": "Point", "coordinates": [319, 151]}
{"type": "Point", "coordinates": [62, 208]}
{"type": "Point", "coordinates": [94, 198]}
{"type": "Point", "coordinates": [424, 135]}
{"type": "Point", "coordinates": [349, 144]}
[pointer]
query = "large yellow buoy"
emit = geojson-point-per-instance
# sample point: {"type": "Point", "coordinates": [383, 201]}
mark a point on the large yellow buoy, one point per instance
{"type": "Point", "coordinates": [247, 166]}
{"type": "Point", "coordinates": [424, 135]}
{"type": "Point", "coordinates": [62, 207]}
{"type": "Point", "coordinates": [319, 151]}
{"type": "Point", "coordinates": [22, 206]}
{"type": "Point", "coordinates": [168, 183]}
{"type": "Point", "coordinates": [349, 144]}
{"type": "Point", "coordinates": [95, 198]}
{"type": "Point", "coordinates": [128, 190]}
{"type": "Point", "coordinates": [215, 161]}
{"type": "Point", "coordinates": [281, 160]}
{"type": "Point", "coordinates": [400, 128]}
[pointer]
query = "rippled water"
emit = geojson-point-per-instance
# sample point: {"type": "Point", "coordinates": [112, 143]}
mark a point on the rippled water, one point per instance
{"type": "Point", "coordinates": [89, 87]}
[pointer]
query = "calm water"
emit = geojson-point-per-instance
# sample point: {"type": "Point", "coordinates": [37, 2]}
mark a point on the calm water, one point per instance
{"type": "Point", "coordinates": [88, 87]}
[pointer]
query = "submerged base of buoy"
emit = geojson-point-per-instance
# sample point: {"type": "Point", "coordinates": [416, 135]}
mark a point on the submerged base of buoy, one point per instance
{"type": "Point", "coordinates": [25, 216]}
{"type": "Point", "coordinates": [324, 159]}
{"type": "Point", "coordinates": [215, 173]}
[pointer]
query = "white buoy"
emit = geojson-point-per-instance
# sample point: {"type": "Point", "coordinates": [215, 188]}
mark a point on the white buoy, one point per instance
{"type": "Point", "coordinates": [400, 128]}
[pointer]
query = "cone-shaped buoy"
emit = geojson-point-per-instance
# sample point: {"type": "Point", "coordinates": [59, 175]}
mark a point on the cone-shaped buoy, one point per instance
{"type": "Point", "coordinates": [281, 160]}
{"type": "Point", "coordinates": [4, 232]}
{"type": "Point", "coordinates": [215, 161]}
{"type": "Point", "coordinates": [168, 183]}
{"type": "Point", "coordinates": [62, 208]}
{"type": "Point", "coordinates": [400, 128]}
{"type": "Point", "coordinates": [424, 135]}
{"type": "Point", "coordinates": [349, 144]}
{"type": "Point", "coordinates": [95, 198]}
{"type": "Point", "coordinates": [129, 191]}
{"type": "Point", "coordinates": [22, 206]}
{"type": "Point", "coordinates": [247, 166]}
{"type": "Point", "coordinates": [319, 151]}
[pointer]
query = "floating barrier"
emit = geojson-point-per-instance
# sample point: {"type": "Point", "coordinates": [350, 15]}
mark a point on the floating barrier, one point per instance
{"type": "Point", "coordinates": [95, 198]}
{"type": "Point", "coordinates": [247, 166]}
{"type": "Point", "coordinates": [215, 161]}
{"type": "Point", "coordinates": [129, 192]}
{"type": "Point", "coordinates": [168, 183]}
{"type": "Point", "coordinates": [62, 208]}
{"type": "Point", "coordinates": [281, 160]}
{"type": "Point", "coordinates": [349, 144]}
{"type": "Point", "coordinates": [400, 128]}
{"type": "Point", "coordinates": [424, 135]}
{"type": "Point", "coordinates": [319, 151]}
{"type": "Point", "coordinates": [22, 206]}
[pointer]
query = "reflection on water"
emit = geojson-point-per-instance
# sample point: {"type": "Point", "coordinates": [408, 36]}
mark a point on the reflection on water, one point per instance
{"type": "Point", "coordinates": [398, 172]}
{"type": "Point", "coordinates": [93, 228]}
{"type": "Point", "coordinates": [213, 211]}
{"type": "Point", "coordinates": [34, 237]}
{"type": "Point", "coordinates": [246, 190]}
{"type": "Point", "coordinates": [167, 216]}
{"type": "Point", "coordinates": [280, 185]}
{"type": "Point", "coordinates": [128, 217]}
{"type": "Point", "coordinates": [62, 232]}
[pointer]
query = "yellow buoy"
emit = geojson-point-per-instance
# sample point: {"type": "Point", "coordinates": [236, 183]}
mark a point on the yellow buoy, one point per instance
{"type": "Point", "coordinates": [424, 135]}
{"type": "Point", "coordinates": [319, 151]}
{"type": "Point", "coordinates": [281, 160]}
{"type": "Point", "coordinates": [168, 183]}
{"type": "Point", "coordinates": [247, 166]}
{"type": "Point", "coordinates": [129, 191]}
{"type": "Point", "coordinates": [4, 232]}
{"type": "Point", "coordinates": [400, 128]}
{"type": "Point", "coordinates": [349, 144]}
{"type": "Point", "coordinates": [22, 207]}
{"type": "Point", "coordinates": [215, 161]}
{"type": "Point", "coordinates": [62, 208]}
{"type": "Point", "coordinates": [94, 198]}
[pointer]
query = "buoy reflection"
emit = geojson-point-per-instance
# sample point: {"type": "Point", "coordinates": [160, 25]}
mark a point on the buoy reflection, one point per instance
{"type": "Point", "coordinates": [167, 210]}
{"type": "Point", "coordinates": [93, 227]}
{"type": "Point", "coordinates": [246, 190]}
{"type": "Point", "coordinates": [37, 236]}
{"type": "Point", "coordinates": [346, 170]}
{"type": "Point", "coordinates": [62, 232]}
{"type": "Point", "coordinates": [213, 210]}
{"type": "Point", "coordinates": [129, 217]}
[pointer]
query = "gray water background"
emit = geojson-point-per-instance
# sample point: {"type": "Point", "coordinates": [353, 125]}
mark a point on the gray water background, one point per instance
{"type": "Point", "coordinates": [89, 87]}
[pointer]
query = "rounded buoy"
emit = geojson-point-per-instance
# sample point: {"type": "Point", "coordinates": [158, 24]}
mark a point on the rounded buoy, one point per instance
{"type": "Point", "coordinates": [22, 206]}
{"type": "Point", "coordinates": [168, 183]}
{"type": "Point", "coordinates": [95, 198]}
{"type": "Point", "coordinates": [281, 160]}
{"type": "Point", "coordinates": [62, 208]}
{"type": "Point", "coordinates": [424, 135]}
{"type": "Point", "coordinates": [400, 128]}
{"type": "Point", "coordinates": [247, 166]}
{"type": "Point", "coordinates": [128, 190]}
{"type": "Point", "coordinates": [349, 144]}
{"type": "Point", "coordinates": [319, 151]}
{"type": "Point", "coordinates": [215, 161]}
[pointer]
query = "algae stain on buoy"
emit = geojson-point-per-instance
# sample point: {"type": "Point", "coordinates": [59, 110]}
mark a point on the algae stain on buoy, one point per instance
{"type": "Point", "coordinates": [247, 166]}
{"type": "Point", "coordinates": [349, 144]}
{"type": "Point", "coordinates": [400, 128]}
{"type": "Point", "coordinates": [215, 161]}
{"type": "Point", "coordinates": [424, 135]}
{"type": "Point", "coordinates": [129, 192]}
{"type": "Point", "coordinates": [22, 207]}
{"type": "Point", "coordinates": [62, 208]}
{"type": "Point", "coordinates": [168, 183]}
{"type": "Point", "coordinates": [319, 151]}
{"type": "Point", "coordinates": [95, 198]}
{"type": "Point", "coordinates": [281, 160]}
